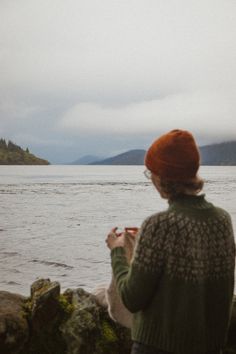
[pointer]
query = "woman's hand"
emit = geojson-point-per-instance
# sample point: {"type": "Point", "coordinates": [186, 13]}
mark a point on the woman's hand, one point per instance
{"type": "Point", "coordinates": [114, 240]}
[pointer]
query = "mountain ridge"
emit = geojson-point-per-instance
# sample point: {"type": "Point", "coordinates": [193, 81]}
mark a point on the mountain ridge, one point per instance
{"type": "Point", "coordinates": [219, 154]}
{"type": "Point", "coordinates": [136, 156]}
{"type": "Point", "coordinates": [86, 160]}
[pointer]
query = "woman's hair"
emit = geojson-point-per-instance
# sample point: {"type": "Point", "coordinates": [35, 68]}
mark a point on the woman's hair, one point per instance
{"type": "Point", "coordinates": [174, 188]}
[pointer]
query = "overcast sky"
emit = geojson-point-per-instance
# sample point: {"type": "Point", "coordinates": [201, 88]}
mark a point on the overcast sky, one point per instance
{"type": "Point", "coordinates": [104, 76]}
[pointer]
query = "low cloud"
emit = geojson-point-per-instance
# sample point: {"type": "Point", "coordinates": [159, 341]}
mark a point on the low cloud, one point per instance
{"type": "Point", "coordinates": [201, 111]}
{"type": "Point", "coordinates": [72, 70]}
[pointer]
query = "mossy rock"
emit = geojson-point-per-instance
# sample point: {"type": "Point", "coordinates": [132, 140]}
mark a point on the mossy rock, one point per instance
{"type": "Point", "coordinates": [112, 338]}
{"type": "Point", "coordinates": [90, 329]}
{"type": "Point", "coordinates": [14, 330]}
{"type": "Point", "coordinates": [75, 324]}
{"type": "Point", "coordinates": [45, 311]}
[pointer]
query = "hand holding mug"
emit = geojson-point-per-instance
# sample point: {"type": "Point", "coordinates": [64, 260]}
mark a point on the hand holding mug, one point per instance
{"type": "Point", "coordinates": [115, 239]}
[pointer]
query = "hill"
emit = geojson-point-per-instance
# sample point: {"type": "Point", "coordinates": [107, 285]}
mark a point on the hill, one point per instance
{"type": "Point", "coordinates": [132, 157]}
{"type": "Point", "coordinates": [216, 154]}
{"type": "Point", "coordinates": [12, 154]}
{"type": "Point", "coordinates": [85, 160]}
{"type": "Point", "coordinates": [219, 154]}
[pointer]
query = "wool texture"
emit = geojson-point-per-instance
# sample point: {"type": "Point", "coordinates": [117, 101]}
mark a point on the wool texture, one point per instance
{"type": "Point", "coordinates": [180, 283]}
{"type": "Point", "coordinates": [174, 156]}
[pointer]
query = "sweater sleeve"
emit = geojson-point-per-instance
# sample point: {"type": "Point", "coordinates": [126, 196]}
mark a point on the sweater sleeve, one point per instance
{"type": "Point", "coordinates": [137, 283]}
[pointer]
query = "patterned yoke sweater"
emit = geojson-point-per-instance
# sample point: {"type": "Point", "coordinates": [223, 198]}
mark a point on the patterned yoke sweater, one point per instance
{"type": "Point", "coordinates": [180, 282]}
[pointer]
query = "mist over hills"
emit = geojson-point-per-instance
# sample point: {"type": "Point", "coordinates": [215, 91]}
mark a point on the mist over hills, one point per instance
{"type": "Point", "coordinates": [215, 154]}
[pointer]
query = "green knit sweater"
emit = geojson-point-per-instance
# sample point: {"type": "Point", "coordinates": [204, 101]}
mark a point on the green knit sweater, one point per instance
{"type": "Point", "coordinates": [181, 280]}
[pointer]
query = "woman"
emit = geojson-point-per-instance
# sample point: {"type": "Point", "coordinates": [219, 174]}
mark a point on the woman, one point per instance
{"type": "Point", "coordinates": [180, 283]}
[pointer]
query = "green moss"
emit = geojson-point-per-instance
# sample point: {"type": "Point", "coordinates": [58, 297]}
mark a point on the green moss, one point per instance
{"type": "Point", "coordinates": [107, 341]}
{"type": "Point", "coordinates": [108, 332]}
{"type": "Point", "coordinates": [26, 308]}
{"type": "Point", "coordinates": [65, 305]}
{"type": "Point", "coordinates": [111, 338]}
{"type": "Point", "coordinates": [89, 330]}
{"type": "Point", "coordinates": [48, 339]}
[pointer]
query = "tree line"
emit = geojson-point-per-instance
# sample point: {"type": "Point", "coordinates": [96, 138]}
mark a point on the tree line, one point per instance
{"type": "Point", "coordinates": [10, 146]}
{"type": "Point", "coordinates": [13, 154]}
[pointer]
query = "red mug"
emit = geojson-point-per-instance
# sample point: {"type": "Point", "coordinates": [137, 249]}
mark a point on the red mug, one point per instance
{"type": "Point", "coordinates": [131, 230]}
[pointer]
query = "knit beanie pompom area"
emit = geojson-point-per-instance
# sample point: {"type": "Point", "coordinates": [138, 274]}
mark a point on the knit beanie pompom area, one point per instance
{"type": "Point", "coordinates": [174, 156]}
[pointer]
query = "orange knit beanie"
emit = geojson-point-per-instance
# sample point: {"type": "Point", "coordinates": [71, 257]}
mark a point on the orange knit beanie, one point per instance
{"type": "Point", "coordinates": [174, 156]}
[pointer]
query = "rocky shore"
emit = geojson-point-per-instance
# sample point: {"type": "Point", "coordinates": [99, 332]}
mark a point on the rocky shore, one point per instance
{"type": "Point", "coordinates": [49, 322]}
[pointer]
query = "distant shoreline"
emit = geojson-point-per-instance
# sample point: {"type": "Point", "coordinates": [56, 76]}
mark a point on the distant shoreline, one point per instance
{"type": "Point", "coordinates": [223, 154]}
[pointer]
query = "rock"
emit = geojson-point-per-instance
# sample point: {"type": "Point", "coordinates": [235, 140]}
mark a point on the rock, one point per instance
{"type": "Point", "coordinates": [81, 323]}
{"type": "Point", "coordinates": [14, 331]}
{"type": "Point", "coordinates": [39, 285]}
{"type": "Point", "coordinates": [90, 330]}
{"type": "Point", "coordinates": [68, 295]}
{"type": "Point", "coordinates": [71, 323]}
{"type": "Point", "coordinates": [45, 312]}
{"type": "Point", "coordinates": [44, 302]}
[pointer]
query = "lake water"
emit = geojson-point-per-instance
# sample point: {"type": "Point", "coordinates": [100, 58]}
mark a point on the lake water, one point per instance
{"type": "Point", "coordinates": [54, 219]}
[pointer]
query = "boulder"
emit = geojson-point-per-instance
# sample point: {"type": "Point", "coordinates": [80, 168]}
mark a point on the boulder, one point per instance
{"type": "Point", "coordinates": [71, 323]}
{"type": "Point", "coordinates": [45, 313]}
{"type": "Point", "coordinates": [89, 329]}
{"type": "Point", "coordinates": [44, 302]}
{"type": "Point", "coordinates": [14, 331]}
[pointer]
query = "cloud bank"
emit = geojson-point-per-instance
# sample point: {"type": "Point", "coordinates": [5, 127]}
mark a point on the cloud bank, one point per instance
{"type": "Point", "coordinates": [213, 112]}
{"type": "Point", "coordinates": [74, 69]}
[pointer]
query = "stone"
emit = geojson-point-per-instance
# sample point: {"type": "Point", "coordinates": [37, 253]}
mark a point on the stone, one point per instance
{"type": "Point", "coordinates": [68, 295]}
{"type": "Point", "coordinates": [82, 321]}
{"type": "Point", "coordinates": [14, 331]}
{"type": "Point", "coordinates": [44, 302]}
{"type": "Point", "coordinates": [46, 311]}
{"type": "Point", "coordinates": [39, 285]}
{"type": "Point", "coordinates": [89, 329]}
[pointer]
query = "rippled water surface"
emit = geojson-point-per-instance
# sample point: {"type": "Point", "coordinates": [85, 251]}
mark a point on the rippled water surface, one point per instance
{"type": "Point", "coordinates": [54, 219]}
